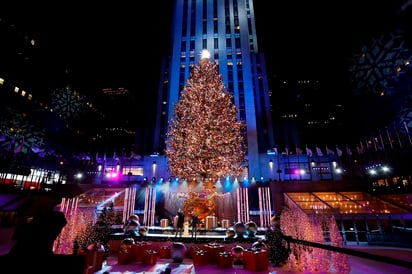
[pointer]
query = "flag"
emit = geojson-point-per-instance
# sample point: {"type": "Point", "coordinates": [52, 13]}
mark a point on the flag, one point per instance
{"type": "Point", "coordinates": [97, 159]}
{"type": "Point", "coordinates": [85, 157]}
{"type": "Point", "coordinates": [19, 147]}
{"type": "Point", "coordinates": [50, 152]}
{"type": "Point", "coordinates": [12, 143]}
{"type": "Point", "coordinates": [329, 151]}
{"type": "Point", "coordinates": [348, 150]}
{"type": "Point", "coordinates": [362, 148]}
{"type": "Point", "coordinates": [3, 137]}
{"type": "Point", "coordinates": [309, 152]}
{"type": "Point", "coordinates": [375, 143]}
{"type": "Point", "coordinates": [359, 149]}
{"type": "Point", "coordinates": [338, 151]}
{"type": "Point", "coordinates": [135, 156]}
{"type": "Point", "coordinates": [36, 149]}
{"type": "Point", "coordinates": [319, 152]}
{"type": "Point", "coordinates": [368, 144]}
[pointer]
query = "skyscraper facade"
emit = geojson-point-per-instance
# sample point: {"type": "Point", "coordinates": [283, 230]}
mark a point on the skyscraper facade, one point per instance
{"type": "Point", "coordinates": [226, 28]}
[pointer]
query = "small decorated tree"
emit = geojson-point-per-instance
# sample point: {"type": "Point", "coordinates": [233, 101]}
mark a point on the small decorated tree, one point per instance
{"type": "Point", "coordinates": [278, 253]}
{"type": "Point", "coordinates": [298, 225]}
{"type": "Point", "coordinates": [89, 236]}
{"type": "Point", "coordinates": [96, 235]}
{"type": "Point", "coordinates": [340, 260]}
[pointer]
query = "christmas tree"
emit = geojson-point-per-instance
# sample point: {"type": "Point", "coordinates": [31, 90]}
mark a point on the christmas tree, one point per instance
{"type": "Point", "coordinates": [205, 139]}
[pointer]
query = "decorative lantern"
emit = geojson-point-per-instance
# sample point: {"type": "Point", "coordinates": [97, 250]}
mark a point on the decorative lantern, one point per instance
{"type": "Point", "coordinates": [237, 253]}
{"type": "Point", "coordinates": [251, 228]}
{"type": "Point", "coordinates": [177, 252]}
{"type": "Point", "coordinates": [259, 245]}
{"type": "Point", "coordinates": [142, 231]}
{"type": "Point", "coordinates": [230, 232]}
{"type": "Point", "coordinates": [240, 229]}
{"type": "Point", "coordinates": [126, 244]}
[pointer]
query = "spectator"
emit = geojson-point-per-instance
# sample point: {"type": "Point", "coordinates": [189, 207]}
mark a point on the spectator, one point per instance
{"type": "Point", "coordinates": [180, 221]}
{"type": "Point", "coordinates": [38, 226]}
{"type": "Point", "coordinates": [194, 223]}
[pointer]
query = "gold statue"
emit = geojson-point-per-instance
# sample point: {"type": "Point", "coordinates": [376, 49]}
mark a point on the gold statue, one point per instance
{"type": "Point", "coordinates": [202, 203]}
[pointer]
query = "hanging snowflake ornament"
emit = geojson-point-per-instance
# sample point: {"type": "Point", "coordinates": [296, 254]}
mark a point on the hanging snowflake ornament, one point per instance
{"type": "Point", "coordinates": [68, 103]}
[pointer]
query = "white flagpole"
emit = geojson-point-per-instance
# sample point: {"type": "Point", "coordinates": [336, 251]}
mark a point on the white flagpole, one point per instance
{"type": "Point", "coordinates": [374, 143]}
{"type": "Point", "coordinates": [389, 138]}
{"type": "Point", "coordinates": [398, 137]}
{"type": "Point", "coordinates": [381, 139]}
{"type": "Point", "coordinates": [407, 132]}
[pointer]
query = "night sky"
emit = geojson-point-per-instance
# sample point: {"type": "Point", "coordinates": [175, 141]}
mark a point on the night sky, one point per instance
{"type": "Point", "coordinates": [305, 37]}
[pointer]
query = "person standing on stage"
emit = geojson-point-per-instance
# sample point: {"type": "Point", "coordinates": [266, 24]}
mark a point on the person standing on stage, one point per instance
{"type": "Point", "coordinates": [180, 222]}
{"type": "Point", "coordinates": [194, 223]}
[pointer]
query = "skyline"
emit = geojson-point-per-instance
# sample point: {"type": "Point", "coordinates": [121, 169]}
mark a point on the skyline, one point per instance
{"type": "Point", "coordinates": [91, 50]}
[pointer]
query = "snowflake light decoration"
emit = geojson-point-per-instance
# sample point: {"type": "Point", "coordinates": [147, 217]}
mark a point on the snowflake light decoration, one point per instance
{"type": "Point", "coordinates": [67, 102]}
{"type": "Point", "coordinates": [376, 69]}
{"type": "Point", "coordinates": [16, 130]}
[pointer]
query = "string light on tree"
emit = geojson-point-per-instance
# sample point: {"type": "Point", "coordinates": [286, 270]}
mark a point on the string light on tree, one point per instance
{"type": "Point", "coordinates": [205, 141]}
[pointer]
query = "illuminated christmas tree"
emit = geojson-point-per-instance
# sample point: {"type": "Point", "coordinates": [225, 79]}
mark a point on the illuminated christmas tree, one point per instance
{"type": "Point", "coordinates": [205, 139]}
